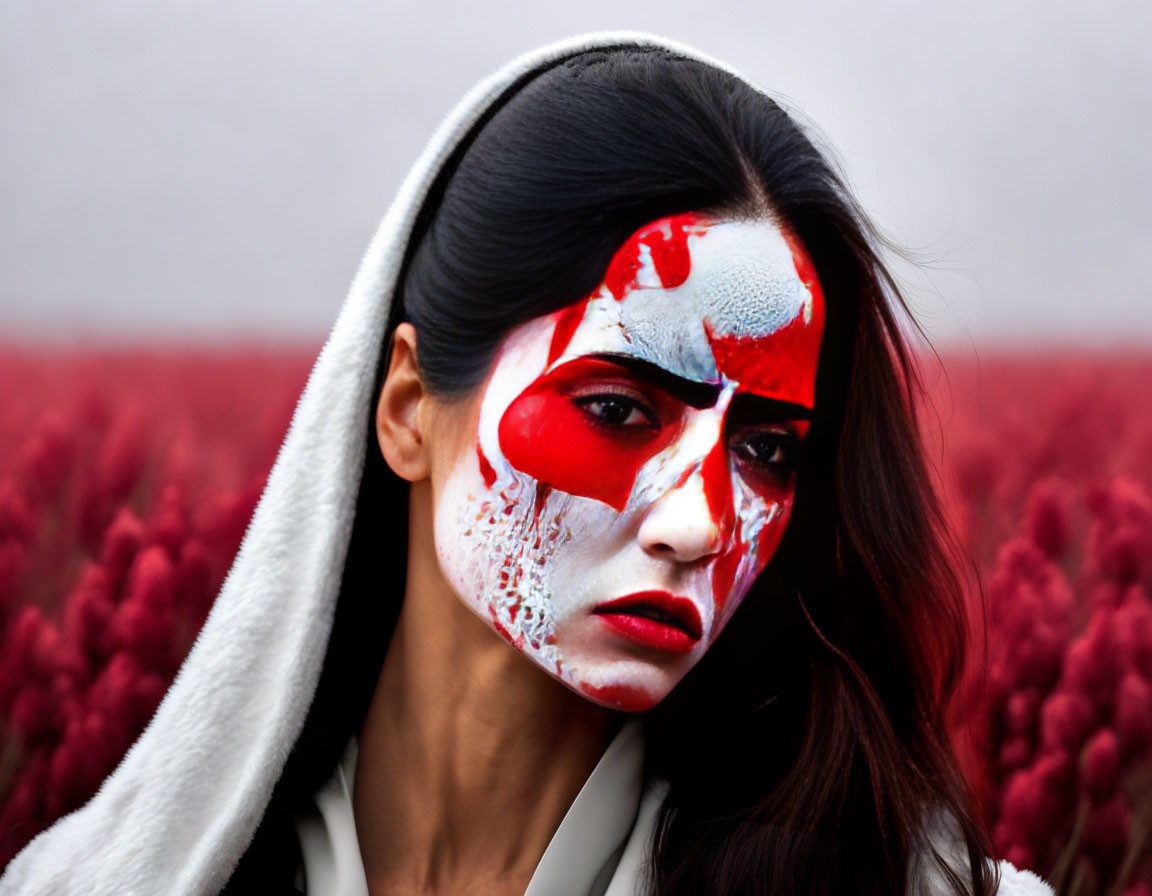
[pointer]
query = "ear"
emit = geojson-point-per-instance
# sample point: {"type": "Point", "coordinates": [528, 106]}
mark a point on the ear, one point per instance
{"type": "Point", "coordinates": [397, 411]}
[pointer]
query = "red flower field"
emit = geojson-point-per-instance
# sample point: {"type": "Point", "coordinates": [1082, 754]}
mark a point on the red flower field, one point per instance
{"type": "Point", "coordinates": [127, 479]}
{"type": "Point", "coordinates": [1048, 469]}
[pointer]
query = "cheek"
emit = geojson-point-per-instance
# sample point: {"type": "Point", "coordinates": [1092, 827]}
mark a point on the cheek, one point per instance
{"type": "Point", "coordinates": [499, 549]}
{"type": "Point", "coordinates": [759, 527]}
{"type": "Point", "coordinates": [518, 553]}
{"type": "Point", "coordinates": [772, 531]}
{"type": "Point", "coordinates": [544, 435]}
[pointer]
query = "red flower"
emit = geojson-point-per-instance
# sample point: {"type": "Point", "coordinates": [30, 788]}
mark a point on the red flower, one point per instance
{"type": "Point", "coordinates": [1100, 765]}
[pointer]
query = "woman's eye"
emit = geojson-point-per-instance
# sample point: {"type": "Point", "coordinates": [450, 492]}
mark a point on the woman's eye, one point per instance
{"type": "Point", "coordinates": [617, 410]}
{"type": "Point", "coordinates": [772, 450]}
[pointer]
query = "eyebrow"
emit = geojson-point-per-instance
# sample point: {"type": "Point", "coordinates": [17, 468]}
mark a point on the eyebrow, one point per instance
{"type": "Point", "coordinates": [749, 408]}
{"type": "Point", "coordinates": [745, 408]}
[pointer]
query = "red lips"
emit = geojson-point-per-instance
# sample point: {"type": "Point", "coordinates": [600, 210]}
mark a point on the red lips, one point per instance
{"type": "Point", "coordinates": [655, 619]}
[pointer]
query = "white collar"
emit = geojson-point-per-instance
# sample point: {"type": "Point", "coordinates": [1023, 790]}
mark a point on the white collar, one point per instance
{"type": "Point", "coordinates": [599, 848]}
{"type": "Point", "coordinates": [603, 845]}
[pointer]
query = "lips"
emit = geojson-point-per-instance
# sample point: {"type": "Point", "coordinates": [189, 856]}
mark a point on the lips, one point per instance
{"type": "Point", "coordinates": [656, 619]}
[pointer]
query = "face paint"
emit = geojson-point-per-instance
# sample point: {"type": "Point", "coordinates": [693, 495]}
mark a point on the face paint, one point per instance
{"type": "Point", "coordinates": [632, 472]}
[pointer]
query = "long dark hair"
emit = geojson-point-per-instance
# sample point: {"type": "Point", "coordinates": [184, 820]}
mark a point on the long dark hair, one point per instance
{"type": "Point", "coordinates": [804, 753]}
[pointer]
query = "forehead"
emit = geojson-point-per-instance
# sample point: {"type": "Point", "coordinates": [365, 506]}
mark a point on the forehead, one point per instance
{"type": "Point", "coordinates": [709, 301]}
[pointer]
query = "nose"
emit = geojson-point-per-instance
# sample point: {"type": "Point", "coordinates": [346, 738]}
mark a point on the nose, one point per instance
{"type": "Point", "coordinates": [680, 526]}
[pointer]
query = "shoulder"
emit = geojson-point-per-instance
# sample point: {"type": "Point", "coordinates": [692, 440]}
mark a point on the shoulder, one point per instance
{"type": "Point", "coordinates": [1013, 882]}
{"type": "Point", "coordinates": [941, 835]}
{"type": "Point", "coordinates": [925, 878]}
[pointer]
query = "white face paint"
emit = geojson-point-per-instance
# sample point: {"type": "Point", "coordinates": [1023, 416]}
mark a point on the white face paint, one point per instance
{"type": "Point", "coordinates": [633, 465]}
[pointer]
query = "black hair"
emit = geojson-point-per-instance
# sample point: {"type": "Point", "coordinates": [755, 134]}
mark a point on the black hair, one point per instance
{"type": "Point", "coordinates": [804, 750]}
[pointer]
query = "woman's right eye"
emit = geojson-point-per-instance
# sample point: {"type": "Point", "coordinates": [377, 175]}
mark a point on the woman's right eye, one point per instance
{"type": "Point", "coordinates": [617, 411]}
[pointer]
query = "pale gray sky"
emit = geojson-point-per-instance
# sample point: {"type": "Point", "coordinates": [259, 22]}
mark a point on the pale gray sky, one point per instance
{"type": "Point", "coordinates": [214, 170]}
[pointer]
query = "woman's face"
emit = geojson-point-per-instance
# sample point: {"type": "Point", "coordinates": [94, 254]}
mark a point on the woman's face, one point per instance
{"type": "Point", "coordinates": [633, 462]}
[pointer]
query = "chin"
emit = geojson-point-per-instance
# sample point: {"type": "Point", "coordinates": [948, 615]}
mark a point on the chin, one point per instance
{"type": "Point", "coordinates": [628, 686]}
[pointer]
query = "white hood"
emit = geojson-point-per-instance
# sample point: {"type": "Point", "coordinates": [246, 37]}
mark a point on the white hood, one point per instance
{"type": "Point", "coordinates": [181, 808]}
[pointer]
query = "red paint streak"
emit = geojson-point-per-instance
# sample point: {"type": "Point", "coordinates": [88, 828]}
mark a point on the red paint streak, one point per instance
{"type": "Point", "coordinates": [782, 364]}
{"type": "Point", "coordinates": [546, 435]}
{"type": "Point", "coordinates": [683, 478]}
{"type": "Point", "coordinates": [805, 270]}
{"type": "Point", "coordinates": [718, 493]}
{"type": "Point", "coordinates": [724, 575]}
{"type": "Point", "coordinates": [618, 696]}
{"type": "Point", "coordinates": [514, 640]}
{"type": "Point", "coordinates": [770, 535]}
{"type": "Point", "coordinates": [718, 489]}
{"type": "Point", "coordinates": [542, 492]}
{"type": "Point", "coordinates": [625, 264]}
{"type": "Point", "coordinates": [667, 242]}
{"type": "Point", "coordinates": [567, 321]}
{"type": "Point", "coordinates": [485, 467]}
{"type": "Point", "coordinates": [728, 563]}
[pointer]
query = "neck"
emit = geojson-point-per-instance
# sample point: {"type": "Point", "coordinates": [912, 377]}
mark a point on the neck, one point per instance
{"type": "Point", "coordinates": [470, 755]}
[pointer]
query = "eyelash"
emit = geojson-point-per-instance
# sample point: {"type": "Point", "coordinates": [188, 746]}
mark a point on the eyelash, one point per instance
{"type": "Point", "coordinates": [785, 441]}
{"type": "Point", "coordinates": [627, 398]}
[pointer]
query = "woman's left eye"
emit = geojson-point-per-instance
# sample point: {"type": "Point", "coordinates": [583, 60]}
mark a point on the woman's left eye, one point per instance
{"type": "Point", "coordinates": [774, 450]}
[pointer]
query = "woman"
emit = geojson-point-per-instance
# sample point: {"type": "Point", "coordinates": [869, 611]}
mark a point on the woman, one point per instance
{"type": "Point", "coordinates": [622, 348]}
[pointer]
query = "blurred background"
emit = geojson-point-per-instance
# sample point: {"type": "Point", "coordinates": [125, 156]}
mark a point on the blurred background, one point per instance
{"type": "Point", "coordinates": [214, 170]}
{"type": "Point", "coordinates": [187, 189]}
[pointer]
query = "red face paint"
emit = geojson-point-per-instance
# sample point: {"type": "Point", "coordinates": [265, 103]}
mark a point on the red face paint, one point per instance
{"type": "Point", "coordinates": [568, 485]}
{"type": "Point", "coordinates": [718, 492]}
{"type": "Point", "coordinates": [782, 364]}
{"type": "Point", "coordinates": [620, 696]}
{"type": "Point", "coordinates": [548, 435]}
{"type": "Point", "coordinates": [718, 487]}
{"type": "Point", "coordinates": [666, 242]}
{"type": "Point", "coordinates": [724, 574]}
{"type": "Point", "coordinates": [486, 470]}
{"type": "Point", "coordinates": [567, 320]}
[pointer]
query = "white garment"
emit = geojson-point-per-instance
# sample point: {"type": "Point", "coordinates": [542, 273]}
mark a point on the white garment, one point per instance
{"type": "Point", "coordinates": [599, 849]}
{"type": "Point", "coordinates": [179, 811]}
